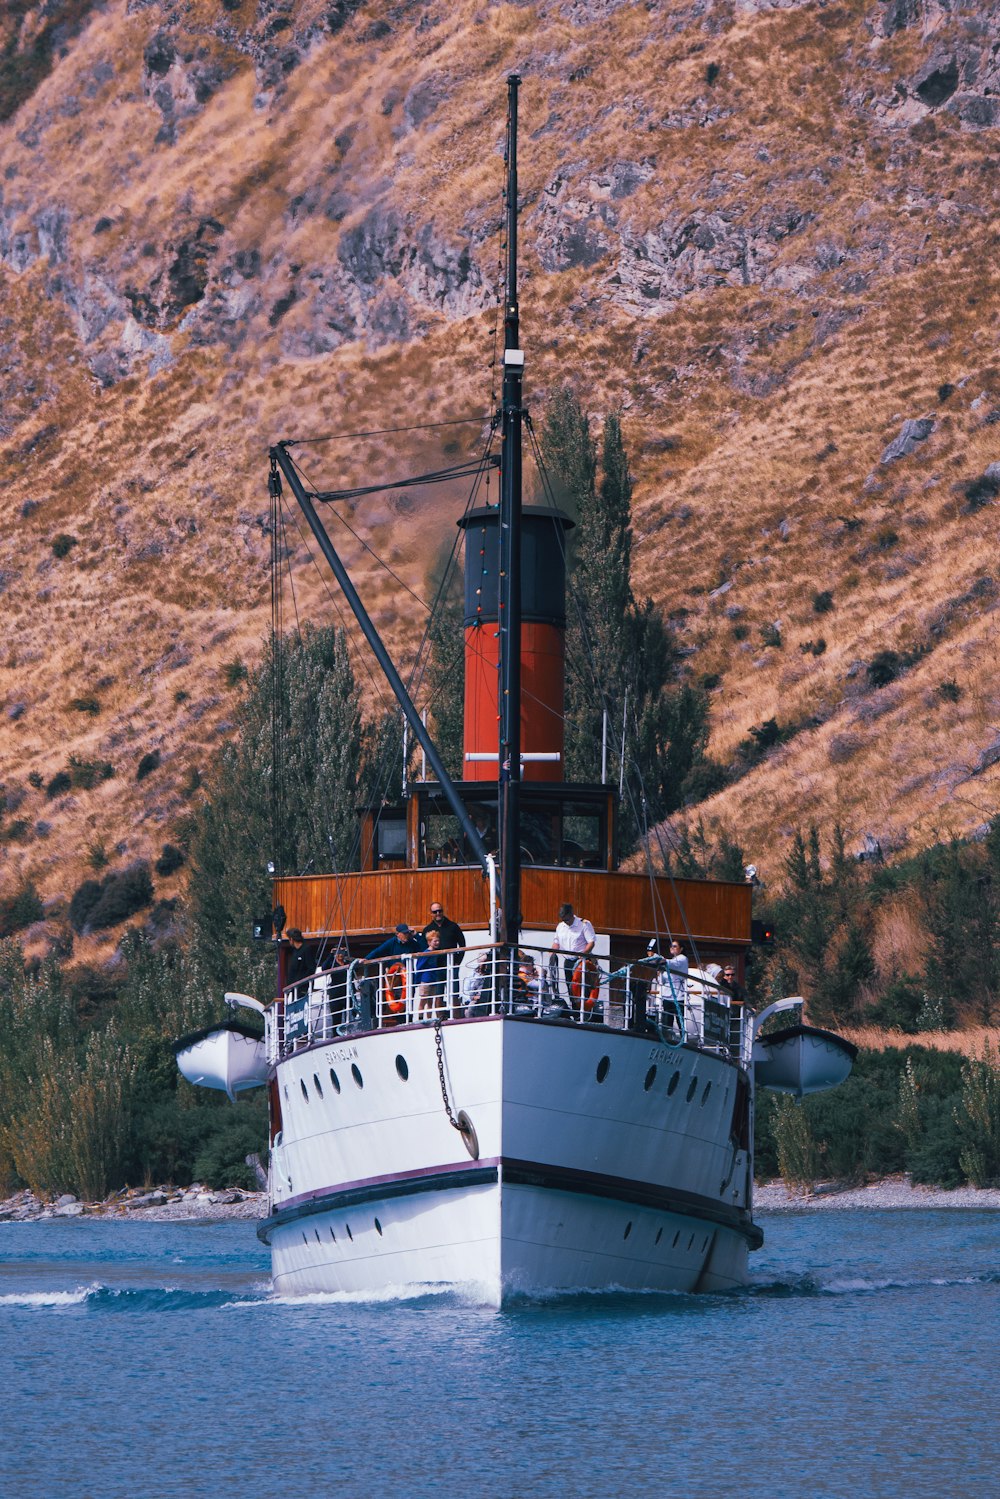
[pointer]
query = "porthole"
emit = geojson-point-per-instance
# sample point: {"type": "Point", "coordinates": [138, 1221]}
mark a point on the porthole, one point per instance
{"type": "Point", "coordinates": [603, 1068]}
{"type": "Point", "coordinates": [628, 1230]}
{"type": "Point", "coordinates": [659, 1236]}
{"type": "Point", "coordinates": [650, 1079]}
{"type": "Point", "coordinates": [706, 1092]}
{"type": "Point", "coordinates": [349, 1234]}
{"type": "Point", "coordinates": [378, 1228]}
{"type": "Point", "coordinates": [676, 1237]}
{"type": "Point", "coordinates": [318, 1085]}
{"type": "Point", "coordinates": [692, 1089]}
{"type": "Point", "coordinates": [402, 1068]}
{"type": "Point", "coordinates": [334, 1081]}
{"type": "Point", "coordinates": [305, 1090]}
{"type": "Point", "coordinates": [356, 1074]}
{"type": "Point", "coordinates": [672, 1085]}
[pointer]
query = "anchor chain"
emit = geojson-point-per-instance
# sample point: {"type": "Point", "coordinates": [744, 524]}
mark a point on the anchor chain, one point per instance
{"type": "Point", "coordinates": [439, 1046]}
{"type": "Point", "coordinates": [461, 1120]}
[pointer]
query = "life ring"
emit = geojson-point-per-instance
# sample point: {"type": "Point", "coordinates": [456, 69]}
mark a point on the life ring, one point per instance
{"type": "Point", "coordinates": [395, 988]}
{"type": "Point", "coordinates": [586, 983]}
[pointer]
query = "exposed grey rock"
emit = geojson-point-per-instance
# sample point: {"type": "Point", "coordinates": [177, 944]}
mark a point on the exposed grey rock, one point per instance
{"type": "Point", "coordinates": [937, 80]}
{"type": "Point", "coordinates": [977, 111]}
{"type": "Point", "coordinates": [65, 1200]}
{"type": "Point", "coordinates": [987, 757]}
{"type": "Point", "coordinates": [899, 14]}
{"type": "Point", "coordinates": [911, 435]}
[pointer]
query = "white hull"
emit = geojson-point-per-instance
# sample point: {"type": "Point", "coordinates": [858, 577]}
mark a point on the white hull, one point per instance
{"type": "Point", "coordinates": [590, 1175]}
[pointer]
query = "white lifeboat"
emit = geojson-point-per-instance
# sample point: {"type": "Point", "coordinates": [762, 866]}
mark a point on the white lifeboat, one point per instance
{"type": "Point", "coordinates": [228, 1056]}
{"type": "Point", "coordinates": [802, 1059]}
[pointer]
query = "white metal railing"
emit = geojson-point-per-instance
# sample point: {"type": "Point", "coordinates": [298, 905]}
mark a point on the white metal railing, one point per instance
{"type": "Point", "coordinates": [494, 979]}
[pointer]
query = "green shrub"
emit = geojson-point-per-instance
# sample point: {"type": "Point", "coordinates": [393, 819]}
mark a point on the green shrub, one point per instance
{"type": "Point", "coordinates": [170, 860]}
{"type": "Point", "coordinates": [935, 1157]}
{"type": "Point", "coordinates": [885, 667]}
{"type": "Point", "coordinates": [97, 854]}
{"type": "Point", "coordinates": [82, 902]}
{"type": "Point", "coordinates": [234, 672]}
{"type": "Point", "coordinates": [147, 765]}
{"type": "Point", "coordinates": [704, 779]}
{"type": "Point", "coordinates": [63, 544]}
{"type": "Point", "coordinates": [20, 910]}
{"type": "Point", "coordinates": [221, 1160]}
{"type": "Point", "coordinates": [949, 690]}
{"type": "Point", "coordinates": [88, 773]}
{"type": "Point", "coordinates": [36, 779]}
{"type": "Point", "coordinates": [86, 704]}
{"type": "Point", "coordinates": [979, 1120]}
{"type": "Point", "coordinates": [60, 783]}
{"type": "Point", "coordinates": [97, 904]}
{"type": "Point", "coordinates": [822, 602]}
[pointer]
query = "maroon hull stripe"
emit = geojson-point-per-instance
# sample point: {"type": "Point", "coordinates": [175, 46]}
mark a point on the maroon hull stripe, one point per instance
{"type": "Point", "coordinates": [516, 1173]}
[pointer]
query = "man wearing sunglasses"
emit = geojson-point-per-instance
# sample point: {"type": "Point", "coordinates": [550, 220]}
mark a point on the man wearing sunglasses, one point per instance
{"type": "Point", "coordinates": [450, 934]}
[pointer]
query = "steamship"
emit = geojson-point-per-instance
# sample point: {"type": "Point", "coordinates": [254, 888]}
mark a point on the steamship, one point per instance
{"type": "Point", "coordinates": [519, 1125]}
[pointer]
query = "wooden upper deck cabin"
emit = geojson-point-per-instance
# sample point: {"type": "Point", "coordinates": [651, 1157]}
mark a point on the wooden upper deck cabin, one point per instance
{"type": "Point", "coordinates": [414, 854]}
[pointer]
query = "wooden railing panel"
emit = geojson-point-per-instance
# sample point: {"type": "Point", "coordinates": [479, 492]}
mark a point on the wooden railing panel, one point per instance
{"type": "Point", "coordinates": [623, 904]}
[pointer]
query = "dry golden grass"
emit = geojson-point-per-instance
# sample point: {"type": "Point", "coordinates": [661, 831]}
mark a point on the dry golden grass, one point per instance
{"type": "Point", "coordinates": [778, 397]}
{"type": "Point", "coordinates": [971, 1042]}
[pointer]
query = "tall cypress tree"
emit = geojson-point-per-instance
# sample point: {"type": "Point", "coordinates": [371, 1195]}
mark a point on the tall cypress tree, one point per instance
{"type": "Point", "coordinates": [620, 653]}
{"type": "Point", "coordinates": [320, 727]}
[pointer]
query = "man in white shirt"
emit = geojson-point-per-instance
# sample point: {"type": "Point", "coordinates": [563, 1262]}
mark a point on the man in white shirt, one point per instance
{"type": "Point", "coordinates": [575, 936]}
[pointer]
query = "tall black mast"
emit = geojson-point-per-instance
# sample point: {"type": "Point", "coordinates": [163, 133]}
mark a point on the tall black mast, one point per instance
{"type": "Point", "coordinates": [510, 560]}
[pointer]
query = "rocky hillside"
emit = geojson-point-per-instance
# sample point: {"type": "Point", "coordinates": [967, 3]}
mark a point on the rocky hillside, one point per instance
{"type": "Point", "coordinates": [767, 228]}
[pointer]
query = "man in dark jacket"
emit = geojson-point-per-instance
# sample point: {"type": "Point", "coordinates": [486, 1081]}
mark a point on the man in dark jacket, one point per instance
{"type": "Point", "coordinates": [403, 943]}
{"type": "Point", "coordinates": [298, 959]}
{"type": "Point", "coordinates": [450, 935]}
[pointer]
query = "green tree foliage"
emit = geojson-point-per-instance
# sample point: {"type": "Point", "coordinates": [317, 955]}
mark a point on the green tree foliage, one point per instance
{"type": "Point", "coordinates": [962, 898]}
{"type": "Point", "coordinates": [898, 1111]}
{"type": "Point", "coordinates": [89, 1104]}
{"type": "Point", "coordinates": [979, 1120]}
{"type": "Point", "coordinates": [620, 653]}
{"type": "Point", "coordinates": [312, 798]}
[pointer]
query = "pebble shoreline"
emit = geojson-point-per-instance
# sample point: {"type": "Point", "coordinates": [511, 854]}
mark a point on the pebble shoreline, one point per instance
{"type": "Point", "coordinates": [194, 1204]}
{"type": "Point", "coordinates": [891, 1192]}
{"type": "Point", "coordinates": [200, 1205]}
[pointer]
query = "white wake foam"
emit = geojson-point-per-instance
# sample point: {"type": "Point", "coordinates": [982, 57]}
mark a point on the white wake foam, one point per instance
{"type": "Point", "coordinates": [49, 1298]}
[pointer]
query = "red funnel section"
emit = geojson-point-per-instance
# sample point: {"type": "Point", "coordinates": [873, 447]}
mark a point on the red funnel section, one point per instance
{"type": "Point", "coordinates": [543, 629]}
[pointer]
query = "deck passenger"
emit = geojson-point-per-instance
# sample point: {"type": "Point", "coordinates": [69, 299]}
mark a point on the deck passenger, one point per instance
{"type": "Point", "coordinates": [575, 938]}
{"type": "Point", "coordinates": [298, 959]}
{"type": "Point", "coordinates": [397, 975]}
{"type": "Point", "coordinates": [479, 986]}
{"type": "Point", "coordinates": [430, 975]}
{"type": "Point", "coordinates": [451, 936]}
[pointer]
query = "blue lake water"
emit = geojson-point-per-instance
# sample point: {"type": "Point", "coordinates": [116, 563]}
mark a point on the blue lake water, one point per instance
{"type": "Point", "coordinates": [152, 1359]}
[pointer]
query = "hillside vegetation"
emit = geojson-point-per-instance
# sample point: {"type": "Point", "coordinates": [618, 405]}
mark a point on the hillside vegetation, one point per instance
{"type": "Point", "coordinates": [767, 232]}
